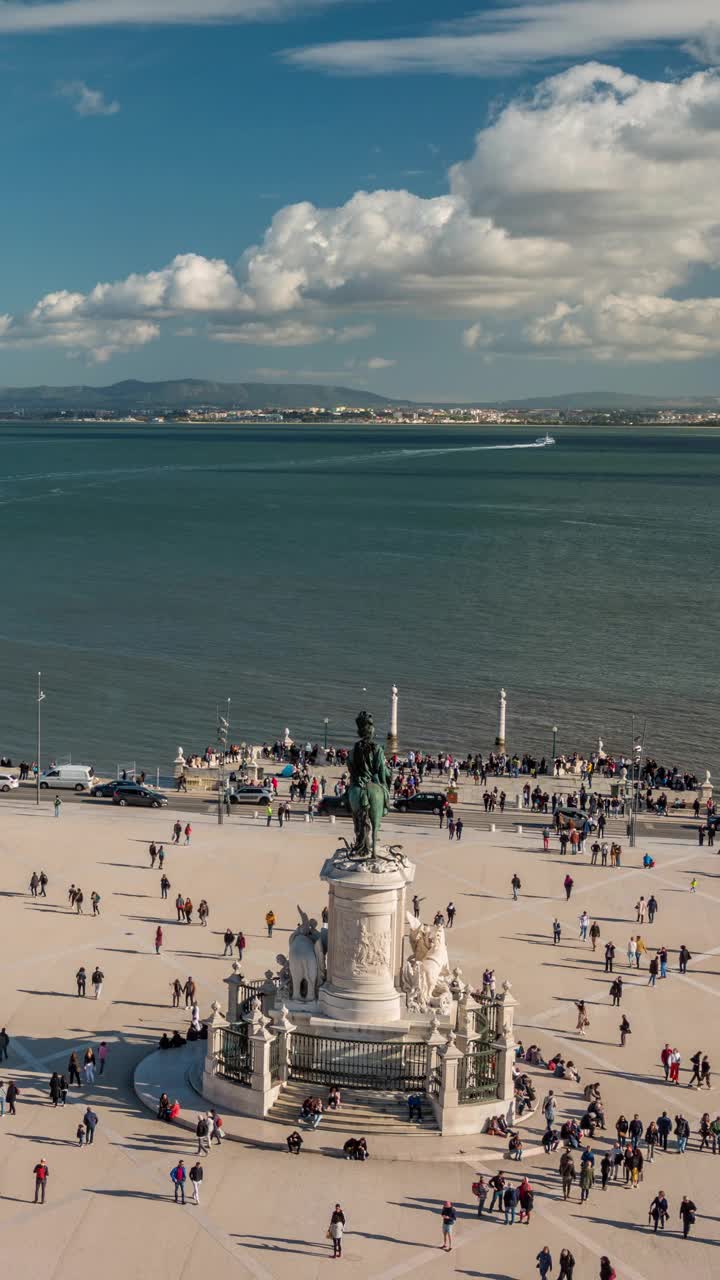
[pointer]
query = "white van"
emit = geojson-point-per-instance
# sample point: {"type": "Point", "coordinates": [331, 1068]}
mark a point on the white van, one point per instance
{"type": "Point", "coordinates": [73, 777]}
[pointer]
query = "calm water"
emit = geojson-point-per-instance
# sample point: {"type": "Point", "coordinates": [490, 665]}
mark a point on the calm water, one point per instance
{"type": "Point", "coordinates": [153, 572]}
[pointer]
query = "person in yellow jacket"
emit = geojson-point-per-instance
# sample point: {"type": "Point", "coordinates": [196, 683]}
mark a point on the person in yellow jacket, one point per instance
{"type": "Point", "coordinates": [270, 921]}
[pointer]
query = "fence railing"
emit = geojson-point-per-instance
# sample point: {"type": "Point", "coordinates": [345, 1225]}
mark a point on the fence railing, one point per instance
{"type": "Point", "coordinates": [485, 1021]}
{"type": "Point", "coordinates": [235, 1054]}
{"type": "Point", "coordinates": [359, 1064]}
{"type": "Point", "coordinates": [276, 1062]}
{"type": "Point", "coordinates": [477, 1079]}
{"type": "Point", "coordinates": [247, 992]}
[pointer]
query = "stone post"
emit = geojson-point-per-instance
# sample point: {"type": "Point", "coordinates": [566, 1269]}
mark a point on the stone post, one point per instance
{"type": "Point", "coordinates": [500, 739]}
{"type": "Point", "coordinates": [283, 1027]}
{"type": "Point", "coordinates": [263, 1090]}
{"type": "Point", "coordinates": [705, 793]}
{"type": "Point", "coordinates": [449, 1057]}
{"type": "Point", "coordinates": [465, 1021]}
{"type": "Point", "coordinates": [392, 738]}
{"type": "Point", "coordinates": [506, 1049]}
{"type": "Point", "coordinates": [215, 1023]}
{"type": "Point", "coordinates": [233, 983]}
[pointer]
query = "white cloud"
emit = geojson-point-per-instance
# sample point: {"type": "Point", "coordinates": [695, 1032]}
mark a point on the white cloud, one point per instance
{"type": "Point", "coordinates": [379, 362]}
{"type": "Point", "coordinates": [19, 17]}
{"type": "Point", "coordinates": [87, 101]}
{"type": "Point", "coordinates": [495, 41]}
{"type": "Point", "coordinates": [579, 223]}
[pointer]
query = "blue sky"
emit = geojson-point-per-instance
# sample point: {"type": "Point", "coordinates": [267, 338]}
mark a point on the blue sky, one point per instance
{"type": "Point", "coordinates": [428, 200]}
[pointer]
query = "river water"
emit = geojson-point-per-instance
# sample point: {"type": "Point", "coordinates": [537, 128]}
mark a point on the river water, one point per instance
{"type": "Point", "coordinates": [153, 572]}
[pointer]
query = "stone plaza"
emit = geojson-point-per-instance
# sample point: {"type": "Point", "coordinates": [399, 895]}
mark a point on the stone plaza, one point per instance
{"type": "Point", "coordinates": [263, 1212]}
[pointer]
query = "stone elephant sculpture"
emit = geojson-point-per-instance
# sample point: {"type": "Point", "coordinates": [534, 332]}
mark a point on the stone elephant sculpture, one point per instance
{"type": "Point", "coordinates": [304, 968]}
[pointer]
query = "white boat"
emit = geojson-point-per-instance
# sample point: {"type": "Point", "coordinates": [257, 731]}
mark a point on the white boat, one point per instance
{"type": "Point", "coordinates": [546, 439]}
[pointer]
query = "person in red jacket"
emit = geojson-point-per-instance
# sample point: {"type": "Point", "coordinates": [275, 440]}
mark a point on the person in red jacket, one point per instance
{"type": "Point", "coordinates": [41, 1172]}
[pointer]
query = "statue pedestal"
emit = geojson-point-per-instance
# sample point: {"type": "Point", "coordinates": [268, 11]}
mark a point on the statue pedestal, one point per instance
{"type": "Point", "coordinates": [365, 932]}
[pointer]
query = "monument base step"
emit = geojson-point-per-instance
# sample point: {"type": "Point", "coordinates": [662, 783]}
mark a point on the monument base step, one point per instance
{"type": "Point", "coordinates": [363, 1113]}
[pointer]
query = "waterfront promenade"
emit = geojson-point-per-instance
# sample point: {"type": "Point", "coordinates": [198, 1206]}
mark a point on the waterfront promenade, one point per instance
{"type": "Point", "coordinates": [262, 1212]}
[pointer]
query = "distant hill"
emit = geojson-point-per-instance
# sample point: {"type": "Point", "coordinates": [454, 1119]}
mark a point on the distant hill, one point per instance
{"type": "Point", "coordinates": [609, 400]}
{"type": "Point", "coordinates": [185, 393]}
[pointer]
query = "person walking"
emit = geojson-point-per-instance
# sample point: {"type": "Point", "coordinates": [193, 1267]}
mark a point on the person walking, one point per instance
{"type": "Point", "coordinates": [675, 1061]}
{"type": "Point", "coordinates": [196, 1177]}
{"type": "Point", "coordinates": [584, 925]}
{"type": "Point", "coordinates": [664, 1126]}
{"type": "Point", "coordinates": [568, 883]}
{"type": "Point", "coordinates": [568, 1173]}
{"type": "Point", "coordinates": [659, 1211]}
{"type": "Point", "coordinates": [270, 922]}
{"type": "Point", "coordinates": [497, 1182]}
{"type": "Point", "coordinates": [188, 832]}
{"type": "Point", "coordinates": [241, 944]}
{"type": "Point", "coordinates": [683, 958]}
{"type": "Point", "coordinates": [567, 1265]}
{"type": "Point", "coordinates": [652, 908]}
{"type": "Point", "coordinates": [682, 1133]}
{"type": "Point", "coordinates": [164, 886]}
{"type": "Point", "coordinates": [583, 1021]}
{"type": "Point", "coordinates": [653, 970]}
{"type": "Point", "coordinates": [510, 1199]}
{"type": "Point", "coordinates": [587, 1178]}
{"type": "Point", "coordinates": [607, 1270]}
{"type": "Point", "coordinates": [95, 899]}
{"type": "Point", "coordinates": [229, 940]}
{"type": "Point", "coordinates": [102, 1056]}
{"type": "Point", "coordinates": [178, 1178]}
{"type": "Point", "coordinates": [695, 1060]}
{"type": "Point", "coordinates": [336, 1229]}
{"type": "Point", "coordinates": [34, 884]}
{"type": "Point", "coordinates": [450, 912]}
{"type": "Point", "coordinates": [4, 1045]}
{"type": "Point", "coordinates": [161, 857]}
{"type": "Point", "coordinates": [688, 1210]}
{"type": "Point", "coordinates": [480, 1190]}
{"type": "Point", "coordinates": [202, 1134]}
{"type": "Point", "coordinates": [176, 988]}
{"type": "Point", "coordinates": [90, 1121]}
{"type": "Point", "coordinates": [268, 814]}
{"type": "Point", "coordinates": [97, 979]}
{"type": "Point", "coordinates": [544, 1262]}
{"type": "Point", "coordinates": [216, 1127]}
{"type": "Point", "coordinates": [557, 931]}
{"type": "Point", "coordinates": [42, 1173]}
{"type": "Point", "coordinates": [516, 886]}
{"type": "Point", "coordinates": [609, 956]}
{"type": "Point", "coordinates": [176, 831]}
{"type": "Point", "coordinates": [89, 1066]}
{"type": "Point", "coordinates": [625, 1030]}
{"type": "Point", "coordinates": [153, 854]}
{"type": "Point", "coordinates": [158, 939]}
{"type": "Point", "coordinates": [616, 990]}
{"type": "Point", "coordinates": [54, 1088]}
{"type": "Point", "coordinates": [73, 1069]}
{"type": "Point", "coordinates": [190, 990]}
{"type": "Point", "coordinates": [12, 1093]}
{"type": "Point", "coordinates": [57, 804]}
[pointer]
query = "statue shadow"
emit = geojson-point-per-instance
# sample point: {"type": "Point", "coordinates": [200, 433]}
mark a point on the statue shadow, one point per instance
{"type": "Point", "coordinates": [281, 1244]}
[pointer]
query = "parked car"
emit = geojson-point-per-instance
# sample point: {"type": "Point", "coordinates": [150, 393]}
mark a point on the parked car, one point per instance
{"type": "Point", "coordinates": [73, 777]}
{"type": "Point", "coordinates": [247, 793]}
{"type": "Point", "coordinates": [133, 793]}
{"type": "Point", "coordinates": [422, 802]}
{"type": "Point", "coordinates": [8, 782]}
{"type": "Point", "coordinates": [334, 804]}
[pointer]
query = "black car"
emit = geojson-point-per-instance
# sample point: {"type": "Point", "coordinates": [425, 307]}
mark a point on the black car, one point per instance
{"type": "Point", "coordinates": [107, 790]}
{"type": "Point", "coordinates": [133, 793]}
{"type": "Point", "coordinates": [423, 802]}
{"type": "Point", "coordinates": [334, 804]}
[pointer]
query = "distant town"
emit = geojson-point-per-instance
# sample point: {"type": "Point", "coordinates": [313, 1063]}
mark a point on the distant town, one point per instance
{"type": "Point", "coordinates": [377, 416]}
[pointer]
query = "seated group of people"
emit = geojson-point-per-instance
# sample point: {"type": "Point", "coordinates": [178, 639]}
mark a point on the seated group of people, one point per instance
{"type": "Point", "coordinates": [356, 1149]}
{"type": "Point", "coordinates": [525, 1094]}
{"type": "Point", "coordinates": [168, 1110]}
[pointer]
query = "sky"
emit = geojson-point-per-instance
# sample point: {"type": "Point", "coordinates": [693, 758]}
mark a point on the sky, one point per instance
{"type": "Point", "coordinates": [436, 199]}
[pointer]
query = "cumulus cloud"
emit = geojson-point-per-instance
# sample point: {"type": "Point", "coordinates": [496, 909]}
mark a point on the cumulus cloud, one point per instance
{"type": "Point", "coordinates": [87, 101]}
{"type": "Point", "coordinates": [578, 223]}
{"type": "Point", "coordinates": [380, 362]}
{"type": "Point", "coordinates": [508, 38]}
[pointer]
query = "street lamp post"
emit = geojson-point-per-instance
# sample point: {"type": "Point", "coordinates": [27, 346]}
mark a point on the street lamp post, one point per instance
{"type": "Point", "coordinates": [554, 746]}
{"type": "Point", "coordinates": [223, 726]}
{"type": "Point", "coordinates": [40, 697]}
{"type": "Point", "coordinates": [326, 722]}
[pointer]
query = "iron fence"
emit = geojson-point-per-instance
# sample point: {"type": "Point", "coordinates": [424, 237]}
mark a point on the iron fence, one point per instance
{"type": "Point", "coordinates": [485, 1021]}
{"type": "Point", "coordinates": [276, 1061]}
{"type": "Point", "coordinates": [359, 1064]}
{"type": "Point", "coordinates": [477, 1079]}
{"type": "Point", "coordinates": [247, 991]}
{"type": "Point", "coordinates": [235, 1054]}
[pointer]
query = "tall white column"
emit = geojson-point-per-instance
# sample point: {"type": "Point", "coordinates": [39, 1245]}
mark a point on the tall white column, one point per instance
{"type": "Point", "coordinates": [392, 738]}
{"type": "Point", "coordinates": [500, 740]}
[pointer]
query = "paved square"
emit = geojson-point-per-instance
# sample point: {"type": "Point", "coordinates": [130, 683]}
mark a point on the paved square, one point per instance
{"type": "Point", "coordinates": [109, 1207]}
